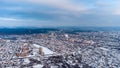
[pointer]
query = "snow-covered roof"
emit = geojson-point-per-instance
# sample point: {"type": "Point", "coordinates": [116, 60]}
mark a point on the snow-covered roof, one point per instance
{"type": "Point", "coordinates": [38, 66]}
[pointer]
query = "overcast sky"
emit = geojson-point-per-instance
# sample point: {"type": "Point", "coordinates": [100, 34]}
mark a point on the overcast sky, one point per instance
{"type": "Point", "coordinates": [40, 13]}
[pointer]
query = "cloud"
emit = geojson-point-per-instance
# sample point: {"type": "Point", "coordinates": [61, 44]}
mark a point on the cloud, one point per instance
{"type": "Point", "coordinates": [67, 5]}
{"type": "Point", "coordinates": [8, 19]}
{"type": "Point", "coordinates": [58, 12]}
{"type": "Point", "coordinates": [62, 4]}
{"type": "Point", "coordinates": [111, 7]}
{"type": "Point", "coordinates": [14, 22]}
{"type": "Point", "coordinates": [117, 12]}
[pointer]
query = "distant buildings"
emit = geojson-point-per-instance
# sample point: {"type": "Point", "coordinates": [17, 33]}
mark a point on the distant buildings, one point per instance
{"type": "Point", "coordinates": [61, 50]}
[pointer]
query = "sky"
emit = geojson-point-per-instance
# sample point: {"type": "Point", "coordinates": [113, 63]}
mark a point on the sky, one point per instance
{"type": "Point", "coordinates": [42, 13]}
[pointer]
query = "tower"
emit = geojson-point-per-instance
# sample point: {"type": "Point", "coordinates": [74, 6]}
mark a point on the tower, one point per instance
{"type": "Point", "coordinates": [40, 51]}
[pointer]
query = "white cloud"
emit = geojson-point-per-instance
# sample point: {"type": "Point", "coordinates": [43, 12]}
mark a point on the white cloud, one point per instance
{"type": "Point", "coordinates": [67, 5]}
{"type": "Point", "coordinates": [104, 2]}
{"type": "Point", "coordinates": [109, 6]}
{"type": "Point", "coordinates": [15, 22]}
{"type": "Point", "coordinates": [8, 19]}
{"type": "Point", "coordinates": [117, 8]}
{"type": "Point", "coordinates": [117, 12]}
{"type": "Point", "coordinates": [62, 4]}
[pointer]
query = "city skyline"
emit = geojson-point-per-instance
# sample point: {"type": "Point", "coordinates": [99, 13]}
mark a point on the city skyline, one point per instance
{"type": "Point", "coordinates": [40, 13]}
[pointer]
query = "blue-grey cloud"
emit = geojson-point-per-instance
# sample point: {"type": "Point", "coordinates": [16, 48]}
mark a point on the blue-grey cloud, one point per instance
{"type": "Point", "coordinates": [39, 13]}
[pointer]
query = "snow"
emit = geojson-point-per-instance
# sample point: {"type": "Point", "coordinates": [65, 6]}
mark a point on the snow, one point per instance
{"type": "Point", "coordinates": [26, 61]}
{"type": "Point", "coordinates": [66, 35]}
{"type": "Point", "coordinates": [54, 66]}
{"type": "Point", "coordinates": [38, 66]}
{"type": "Point", "coordinates": [45, 50]}
{"type": "Point", "coordinates": [104, 49]}
{"type": "Point", "coordinates": [37, 46]}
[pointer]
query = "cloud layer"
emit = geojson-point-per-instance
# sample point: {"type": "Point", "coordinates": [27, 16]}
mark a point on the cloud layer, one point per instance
{"type": "Point", "coordinates": [39, 13]}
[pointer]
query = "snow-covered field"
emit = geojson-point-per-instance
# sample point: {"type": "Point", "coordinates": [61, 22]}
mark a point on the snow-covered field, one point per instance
{"type": "Point", "coordinates": [45, 50]}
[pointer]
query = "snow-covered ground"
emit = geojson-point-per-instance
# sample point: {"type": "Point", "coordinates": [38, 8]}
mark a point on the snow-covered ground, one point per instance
{"type": "Point", "coordinates": [26, 61]}
{"type": "Point", "coordinates": [45, 50]}
{"type": "Point", "coordinates": [38, 66]}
